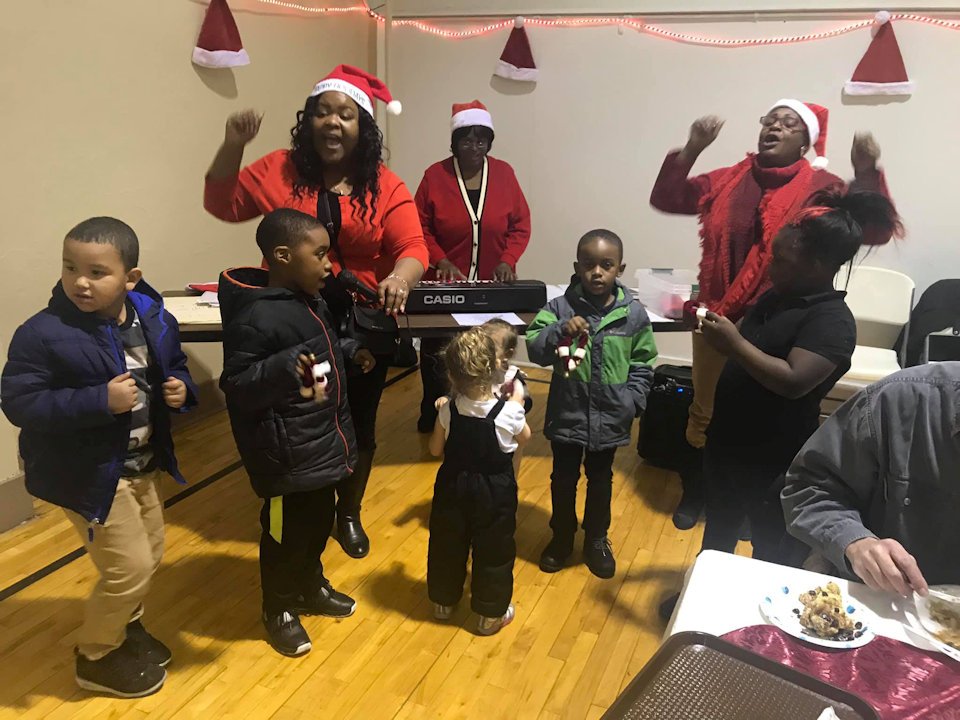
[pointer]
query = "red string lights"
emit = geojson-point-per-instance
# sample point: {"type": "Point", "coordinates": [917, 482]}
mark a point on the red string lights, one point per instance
{"type": "Point", "coordinates": [633, 23]}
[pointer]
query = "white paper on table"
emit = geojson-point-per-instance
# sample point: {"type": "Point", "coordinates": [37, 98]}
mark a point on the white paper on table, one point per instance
{"type": "Point", "coordinates": [209, 298]}
{"type": "Point", "coordinates": [474, 319]}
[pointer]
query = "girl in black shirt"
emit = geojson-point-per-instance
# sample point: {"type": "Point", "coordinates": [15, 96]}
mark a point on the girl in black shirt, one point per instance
{"type": "Point", "coordinates": [783, 358]}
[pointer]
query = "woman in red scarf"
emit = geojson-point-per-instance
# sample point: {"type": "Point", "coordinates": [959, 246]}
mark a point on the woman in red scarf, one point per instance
{"type": "Point", "coordinates": [476, 223]}
{"type": "Point", "coordinates": [334, 169]}
{"type": "Point", "coordinates": [741, 210]}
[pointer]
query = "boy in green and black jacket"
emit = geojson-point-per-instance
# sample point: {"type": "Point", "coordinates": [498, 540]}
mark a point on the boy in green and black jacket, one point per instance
{"type": "Point", "coordinates": [591, 407]}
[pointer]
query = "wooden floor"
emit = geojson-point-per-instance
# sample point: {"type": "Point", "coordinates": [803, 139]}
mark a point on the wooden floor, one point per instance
{"type": "Point", "coordinates": [575, 643]}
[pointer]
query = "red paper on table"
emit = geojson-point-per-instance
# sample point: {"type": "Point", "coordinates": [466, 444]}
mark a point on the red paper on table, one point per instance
{"type": "Point", "coordinates": [900, 681]}
{"type": "Point", "coordinates": [203, 287]}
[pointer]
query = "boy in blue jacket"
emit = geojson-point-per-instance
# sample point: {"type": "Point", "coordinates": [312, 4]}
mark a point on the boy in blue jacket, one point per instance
{"type": "Point", "coordinates": [90, 380]}
{"type": "Point", "coordinates": [600, 342]}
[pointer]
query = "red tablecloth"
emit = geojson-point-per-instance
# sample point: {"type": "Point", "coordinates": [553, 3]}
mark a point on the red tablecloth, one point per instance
{"type": "Point", "coordinates": [900, 681]}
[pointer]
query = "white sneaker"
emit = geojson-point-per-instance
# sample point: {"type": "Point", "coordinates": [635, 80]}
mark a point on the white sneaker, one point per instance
{"type": "Point", "coordinates": [491, 626]}
{"type": "Point", "coordinates": [442, 612]}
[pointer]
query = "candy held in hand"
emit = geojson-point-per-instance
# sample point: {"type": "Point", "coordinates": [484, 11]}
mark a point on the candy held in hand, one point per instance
{"type": "Point", "coordinates": [571, 356]}
{"type": "Point", "coordinates": [314, 383]}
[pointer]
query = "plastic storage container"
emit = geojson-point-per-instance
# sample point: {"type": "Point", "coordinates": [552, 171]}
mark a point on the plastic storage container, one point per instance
{"type": "Point", "coordinates": [665, 290]}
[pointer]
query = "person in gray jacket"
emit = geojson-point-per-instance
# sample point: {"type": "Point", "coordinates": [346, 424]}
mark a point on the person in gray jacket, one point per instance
{"type": "Point", "coordinates": [876, 490]}
{"type": "Point", "coordinates": [600, 343]}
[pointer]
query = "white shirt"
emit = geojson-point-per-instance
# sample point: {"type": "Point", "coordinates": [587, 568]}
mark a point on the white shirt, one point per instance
{"type": "Point", "coordinates": [509, 421]}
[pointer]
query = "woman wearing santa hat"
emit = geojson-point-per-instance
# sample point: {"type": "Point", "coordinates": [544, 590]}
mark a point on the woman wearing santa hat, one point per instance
{"type": "Point", "coordinates": [334, 169]}
{"type": "Point", "coordinates": [741, 210]}
{"type": "Point", "coordinates": [476, 224]}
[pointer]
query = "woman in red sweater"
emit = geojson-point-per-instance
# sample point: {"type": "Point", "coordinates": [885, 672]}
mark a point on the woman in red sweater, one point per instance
{"type": "Point", "coordinates": [741, 210]}
{"type": "Point", "coordinates": [476, 224]}
{"type": "Point", "coordinates": [335, 163]}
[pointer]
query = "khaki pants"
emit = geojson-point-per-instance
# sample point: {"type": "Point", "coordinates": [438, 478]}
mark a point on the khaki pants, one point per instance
{"type": "Point", "coordinates": [126, 550]}
{"type": "Point", "coordinates": [707, 366]}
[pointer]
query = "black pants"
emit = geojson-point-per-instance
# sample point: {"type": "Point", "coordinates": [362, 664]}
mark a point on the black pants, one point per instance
{"type": "Point", "coordinates": [433, 375]}
{"type": "Point", "coordinates": [477, 513]}
{"type": "Point", "coordinates": [363, 395]}
{"type": "Point", "coordinates": [737, 489]}
{"type": "Point", "coordinates": [563, 489]}
{"type": "Point", "coordinates": [294, 532]}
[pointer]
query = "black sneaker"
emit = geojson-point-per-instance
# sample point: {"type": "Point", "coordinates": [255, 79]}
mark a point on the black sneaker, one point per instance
{"type": "Point", "coordinates": [598, 554]}
{"type": "Point", "coordinates": [146, 646]}
{"type": "Point", "coordinates": [556, 553]}
{"type": "Point", "coordinates": [688, 512]}
{"type": "Point", "coordinates": [120, 672]}
{"type": "Point", "coordinates": [325, 601]}
{"type": "Point", "coordinates": [286, 634]}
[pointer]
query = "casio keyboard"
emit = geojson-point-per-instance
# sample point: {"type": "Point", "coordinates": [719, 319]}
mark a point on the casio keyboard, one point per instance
{"type": "Point", "coordinates": [433, 297]}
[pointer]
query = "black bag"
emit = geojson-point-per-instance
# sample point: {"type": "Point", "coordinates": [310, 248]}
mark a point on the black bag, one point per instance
{"type": "Point", "coordinates": [370, 326]}
{"type": "Point", "coordinates": [662, 441]}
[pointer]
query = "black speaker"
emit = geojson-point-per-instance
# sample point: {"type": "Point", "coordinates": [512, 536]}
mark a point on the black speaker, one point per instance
{"type": "Point", "coordinates": [663, 429]}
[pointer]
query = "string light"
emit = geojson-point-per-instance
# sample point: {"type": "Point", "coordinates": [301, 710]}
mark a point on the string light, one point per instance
{"type": "Point", "coordinates": [365, 9]}
{"type": "Point", "coordinates": [633, 23]}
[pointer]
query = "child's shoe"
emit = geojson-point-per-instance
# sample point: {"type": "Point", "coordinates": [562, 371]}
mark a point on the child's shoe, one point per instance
{"type": "Point", "coordinates": [120, 672]}
{"type": "Point", "coordinates": [443, 612]}
{"type": "Point", "coordinates": [325, 601]}
{"type": "Point", "coordinates": [286, 634]}
{"type": "Point", "coordinates": [493, 625]}
{"type": "Point", "coordinates": [146, 646]}
{"type": "Point", "coordinates": [555, 555]}
{"type": "Point", "coordinates": [598, 554]}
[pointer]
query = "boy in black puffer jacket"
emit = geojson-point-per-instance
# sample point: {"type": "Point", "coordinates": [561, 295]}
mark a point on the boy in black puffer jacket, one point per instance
{"type": "Point", "coordinates": [295, 448]}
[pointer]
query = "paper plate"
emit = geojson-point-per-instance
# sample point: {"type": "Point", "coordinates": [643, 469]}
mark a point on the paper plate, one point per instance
{"type": "Point", "coordinates": [782, 608]}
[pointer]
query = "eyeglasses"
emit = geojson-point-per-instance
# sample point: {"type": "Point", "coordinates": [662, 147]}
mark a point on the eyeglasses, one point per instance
{"type": "Point", "coordinates": [787, 122]}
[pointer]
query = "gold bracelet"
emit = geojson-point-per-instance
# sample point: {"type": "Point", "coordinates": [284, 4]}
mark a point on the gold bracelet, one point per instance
{"type": "Point", "coordinates": [397, 277]}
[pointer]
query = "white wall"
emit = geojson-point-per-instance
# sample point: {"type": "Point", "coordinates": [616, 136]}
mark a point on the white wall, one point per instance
{"type": "Point", "coordinates": [587, 141]}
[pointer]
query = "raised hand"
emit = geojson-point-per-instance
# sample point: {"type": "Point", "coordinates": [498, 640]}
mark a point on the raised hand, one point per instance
{"type": "Point", "coordinates": [703, 132]}
{"type": "Point", "coordinates": [242, 127]}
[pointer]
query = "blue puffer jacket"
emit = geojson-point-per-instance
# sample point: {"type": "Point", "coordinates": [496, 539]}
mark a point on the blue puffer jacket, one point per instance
{"type": "Point", "coordinates": [54, 388]}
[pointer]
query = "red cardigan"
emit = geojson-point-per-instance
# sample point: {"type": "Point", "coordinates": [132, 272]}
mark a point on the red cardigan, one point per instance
{"type": "Point", "coordinates": [370, 247]}
{"type": "Point", "coordinates": [448, 225]}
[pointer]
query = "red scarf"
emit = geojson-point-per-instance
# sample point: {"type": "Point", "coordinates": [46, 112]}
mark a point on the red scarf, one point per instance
{"type": "Point", "coordinates": [729, 209]}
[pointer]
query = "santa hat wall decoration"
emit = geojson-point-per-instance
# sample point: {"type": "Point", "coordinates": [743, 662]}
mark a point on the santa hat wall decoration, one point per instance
{"type": "Point", "coordinates": [219, 44]}
{"type": "Point", "coordinates": [881, 70]}
{"type": "Point", "coordinates": [516, 60]}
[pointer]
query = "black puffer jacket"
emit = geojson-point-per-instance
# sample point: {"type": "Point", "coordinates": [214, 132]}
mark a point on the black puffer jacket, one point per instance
{"type": "Point", "coordinates": [287, 443]}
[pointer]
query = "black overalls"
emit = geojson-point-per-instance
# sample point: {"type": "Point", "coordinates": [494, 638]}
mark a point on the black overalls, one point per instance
{"type": "Point", "coordinates": [474, 508]}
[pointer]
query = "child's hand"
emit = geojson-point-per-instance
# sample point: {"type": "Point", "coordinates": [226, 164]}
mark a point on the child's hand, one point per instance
{"type": "Point", "coordinates": [441, 401]}
{"type": "Point", "coordinates": [174, 393]}
{"type": "Point", "coordinates": [121, 394]}
{"type": "Point", "coordinates": [365, 360]}
{"type": "Point", "coordinates": [720, 332]}
{"type": "Point", "coordinates": [305, 366]}
{"type": "Point", "coordinates": [517, 394]}
{"type": "Point", "coordinates": [575, 326]}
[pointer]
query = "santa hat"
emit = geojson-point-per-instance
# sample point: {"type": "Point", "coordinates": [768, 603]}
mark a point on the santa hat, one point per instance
{"type": "Point", "coordinates": [516, 60]}
{"type": "Point", "coordinates": [470, 114]}
{"type": "Point", "coordinates": [881, 70]}
{"type": "Point", "coordinates": [219, 44]}
{"type": "Point", "coordinates": [815, 118]}
{"type": "Point", "coordinates": [360, 86]}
